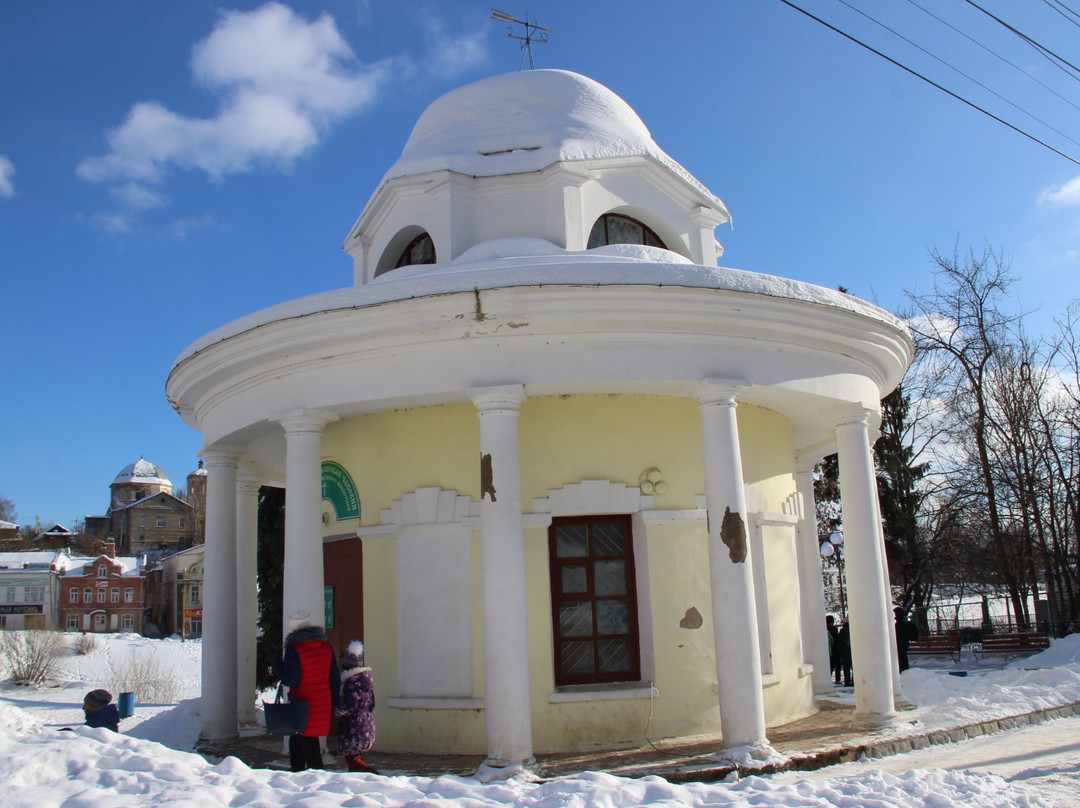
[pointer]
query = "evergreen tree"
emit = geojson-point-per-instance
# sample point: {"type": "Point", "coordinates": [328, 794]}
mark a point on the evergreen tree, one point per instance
{"type": "Point", "coordinates": [901, 499]}
{"type": "Point", "coordinates": [271, 571]}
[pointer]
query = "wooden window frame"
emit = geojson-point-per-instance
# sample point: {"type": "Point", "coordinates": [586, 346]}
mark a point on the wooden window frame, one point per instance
{"type": "Point", "coordinates": [646, 231]}
{"type": "Point", "coordinates": [556, 564]}
{"type": "Point", "coordinates": [404, 259]}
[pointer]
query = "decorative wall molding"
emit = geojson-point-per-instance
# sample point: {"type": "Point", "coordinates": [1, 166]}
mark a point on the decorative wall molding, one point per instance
{"type": "Point", "coordinates": [424, 506]}
{"type": "Point", "coordinates": [591, 497]}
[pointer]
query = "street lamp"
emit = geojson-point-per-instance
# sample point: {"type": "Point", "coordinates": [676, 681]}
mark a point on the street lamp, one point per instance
{"type": "Point", "coordinates": [832, 549]}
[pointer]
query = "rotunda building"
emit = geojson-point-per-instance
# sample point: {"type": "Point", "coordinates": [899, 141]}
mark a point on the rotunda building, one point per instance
{"type": "Point", "coordinates": [545, 456]}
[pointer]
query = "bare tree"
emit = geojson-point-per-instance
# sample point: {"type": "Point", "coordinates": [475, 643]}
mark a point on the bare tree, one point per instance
{"type": "Point", "coordinates": [961, 324]}
{"type": "Point", "coordinates": [7, 510]}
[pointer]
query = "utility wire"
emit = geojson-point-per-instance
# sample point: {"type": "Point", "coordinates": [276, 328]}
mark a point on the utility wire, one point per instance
{"type": "Point", "coordinates": [1049, 54]}
{"type": "Point", "coordinates": [995, 53]}
{"type": "Point", "coordinates": [972, 79]}
{"type": "Point", "coordinates": [1064, 11]}
{"type": "Point", "coordinates": [931, 82]}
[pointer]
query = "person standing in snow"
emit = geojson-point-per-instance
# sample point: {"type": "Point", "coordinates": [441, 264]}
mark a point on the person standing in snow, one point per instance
{"type": "Point", "coordinates": [905, 633]}
{"type": "Point", "coordinates": [356, 711]}
{"type": "Point", "coordinates": [100, 711]}
{"type": "Point", "coordinates": [843, 653]}
{"type": "Point", "coordinates": [310, 671]}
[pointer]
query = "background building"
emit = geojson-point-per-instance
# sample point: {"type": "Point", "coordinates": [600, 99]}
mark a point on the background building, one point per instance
{"type": "Point", "coordinates": [30, 589]}
{"type": "Point", "coordinates": [102, 594]}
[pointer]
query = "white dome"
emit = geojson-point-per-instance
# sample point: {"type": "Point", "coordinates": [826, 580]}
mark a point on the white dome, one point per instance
{"type": "Point", "coordinates": [520, 122]}
{"type": "Point", "coordinates": [142, 471]}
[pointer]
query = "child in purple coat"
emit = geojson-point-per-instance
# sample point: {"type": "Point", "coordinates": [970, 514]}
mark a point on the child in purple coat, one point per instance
{"type": "Point", "coordinates": [355, 710]}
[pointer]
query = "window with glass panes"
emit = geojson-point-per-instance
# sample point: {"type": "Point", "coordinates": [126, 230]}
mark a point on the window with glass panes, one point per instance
{"type": "Point", "coordinates": [611, 228]}
{"type": "Point", "coordinates": [594, 600]}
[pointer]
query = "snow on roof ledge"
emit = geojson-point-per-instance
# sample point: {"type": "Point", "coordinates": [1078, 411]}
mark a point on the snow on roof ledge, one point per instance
{"type": "Point", "coordinates": [615, 265]}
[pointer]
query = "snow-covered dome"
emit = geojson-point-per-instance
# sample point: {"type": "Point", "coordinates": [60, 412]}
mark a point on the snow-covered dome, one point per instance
{"type": "Point", "coordinates": [519, 122]}
{"type": "Point", "coordinates": [142, 471]}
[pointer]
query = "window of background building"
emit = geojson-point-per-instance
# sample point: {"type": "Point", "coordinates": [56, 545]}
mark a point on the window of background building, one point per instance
{"type": "Point", "coordinates": [195, 593]}
{"type": "Point", "coordinates": [73, 595]}
{"type": "Point", "coordinates": [180, 523]}
{"type": "Point", "coordinates": [33, 594]}
{"type": "Point", "coordinates": [594, 600]}
{"type": "Point", "coordinates": [127, 622]}
{"type": "Point", "coordinates": [72, 622]}
{"type": "Point", "coordinates": [114, 594]}
{"type": "Point", "coordinates": [102, 571]}
{"type": "Point", "coordinates": [86, 596]}
{"type": "Point", "coordinates": [11, 594]}
{"type": "Point", "coordinates": [161, 521]}
{"type": "Point", "coordinates": [129, 594]}
{"type": "Point", "coordinates": [101, 596]}
{"type": "Point", "coordinates": [142, 521]}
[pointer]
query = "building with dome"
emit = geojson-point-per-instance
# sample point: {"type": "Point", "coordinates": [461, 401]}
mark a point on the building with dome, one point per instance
{"type": "Point", "coordinates": [549, 460]}
{"type": "Point", "coordinates": [143, 515]}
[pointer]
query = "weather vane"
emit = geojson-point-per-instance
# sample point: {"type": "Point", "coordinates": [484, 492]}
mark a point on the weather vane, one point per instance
{"type": "Point", "coordinates": [533, 33]}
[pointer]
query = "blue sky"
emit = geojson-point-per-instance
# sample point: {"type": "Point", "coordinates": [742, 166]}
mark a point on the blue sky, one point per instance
{"type": "Point", "coordinates": [168, 167]}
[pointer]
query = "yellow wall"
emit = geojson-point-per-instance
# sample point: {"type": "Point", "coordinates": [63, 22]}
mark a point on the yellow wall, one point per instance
{"type": "Point", "coordinates": [562, 441]}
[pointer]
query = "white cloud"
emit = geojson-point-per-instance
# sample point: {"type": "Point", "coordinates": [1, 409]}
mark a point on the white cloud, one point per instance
{"type": "Point", "coordinates": [181, 228]}
{"type": "Point", "coordinates": [139, 197]}
{"type": "Point", "coordinates": [450, 56]}
{"type": "Point", "coordinates": [7, 171]}
{"type": "Point", "coordinates": [1065, 195]}
{"type": "Point", "coordinates": [282, 82]}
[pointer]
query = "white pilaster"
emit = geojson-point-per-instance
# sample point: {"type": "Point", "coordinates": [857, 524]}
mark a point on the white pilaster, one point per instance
{"type": "Point", "coordinates": [869, 613]}
{"type": "Point", "coordinates": [735, 626]}
{"type": "Point", "coordinates": [247, 599]}
{"type": "Point", "coordinates": [218, 705]}
{"type": "Point", "coordinates": [815, 639]}
{"type": "Point", "coordinates": [302, 588]}
{"type": "Point", "coordinates": [507, 711]}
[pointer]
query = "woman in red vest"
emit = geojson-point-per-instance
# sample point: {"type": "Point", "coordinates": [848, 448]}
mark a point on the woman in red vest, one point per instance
{"type": "Point", "coordinates": [310, 671]}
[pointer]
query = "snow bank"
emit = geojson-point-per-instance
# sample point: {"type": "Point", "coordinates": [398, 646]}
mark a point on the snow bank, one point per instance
{"type": "Point", "coordinates": [43, 766]}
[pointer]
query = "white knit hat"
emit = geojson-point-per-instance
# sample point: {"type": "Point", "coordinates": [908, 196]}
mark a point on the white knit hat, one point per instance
{"type": "Point", "coordinates": [299, 619]}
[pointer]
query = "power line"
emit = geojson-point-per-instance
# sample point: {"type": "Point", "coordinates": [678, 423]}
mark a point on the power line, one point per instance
{"type": "Point", "coordinates": [931, 82]}
{"type": "Point", "coordinates": [1052, 57]}
{"type": "Point", "coordinates": [952, 67]}
{"type": "Point", "coordinates": [995, 54]}
{"type": "Point", "coordinates": [1064, 11]}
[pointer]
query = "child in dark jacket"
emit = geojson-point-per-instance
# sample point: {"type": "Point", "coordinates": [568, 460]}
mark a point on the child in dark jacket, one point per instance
{"type": "Point", "coordinates": [355, 711]}
{"type": "Point", "coordinates": [99, 710]}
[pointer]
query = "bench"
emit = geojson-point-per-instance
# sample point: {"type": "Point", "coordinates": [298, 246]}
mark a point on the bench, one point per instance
{"type": "Point", "coordinates": [936, 645]}
{"type": "Point", "coordinates": [1029, 642]}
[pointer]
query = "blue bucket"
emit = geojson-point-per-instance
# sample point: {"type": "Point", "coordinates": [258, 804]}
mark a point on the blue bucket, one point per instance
{"type": "Point", "coordinates": [126, 703]}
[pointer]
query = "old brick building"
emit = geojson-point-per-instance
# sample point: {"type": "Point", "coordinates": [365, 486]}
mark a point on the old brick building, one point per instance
{"type": "Point", "coordinates": [102, 594]}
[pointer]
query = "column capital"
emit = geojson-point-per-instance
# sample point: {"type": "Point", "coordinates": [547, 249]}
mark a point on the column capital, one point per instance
{"type": "Point", "coordinates": [246, 483]}
{"type": "Point", "coordinates": [719, 392]}
{"type": "Point", "coordinates": [804, 464]}
{"type": "Point", "coordinates": [301, 422]}
{"type": "Point", "coordinates": [491, 399]}
{"type": "Point", "coordinates": [856, 416]}
{"type": "Point", "coordinates": [218, 455]}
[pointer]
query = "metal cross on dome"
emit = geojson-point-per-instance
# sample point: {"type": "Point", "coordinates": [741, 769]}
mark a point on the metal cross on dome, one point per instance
{"type": "Point", "coordinates": [533, 33]}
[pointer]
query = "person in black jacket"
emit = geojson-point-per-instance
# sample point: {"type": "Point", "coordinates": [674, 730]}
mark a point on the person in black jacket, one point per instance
{"type": "Point", "coordinates": [905, 633]}
{"type": "Point", "coordinates": [99, 710]}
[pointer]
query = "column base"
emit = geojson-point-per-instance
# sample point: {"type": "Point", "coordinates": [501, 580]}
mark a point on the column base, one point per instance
{"type": "Point", "coordinates": [750, 756]}
{"type": "Point", "coordinates": [493, 770]}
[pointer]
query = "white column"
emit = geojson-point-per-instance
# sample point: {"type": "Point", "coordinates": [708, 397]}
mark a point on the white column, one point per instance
{"type": "Point", "coordinates": [735, 626]}
{"type": "Point", "coordinates": [247, 599]}
{"type": "Point", "coordinates": [868, 613]}
{"type": "Point", "coordinates": [218, 705]}
{"type": "Point", "coordinates": [302, 588]}
{"type": "Point", "coordinates": [811, 586]}
{"type": "Point", "coordinates": [507, 710]}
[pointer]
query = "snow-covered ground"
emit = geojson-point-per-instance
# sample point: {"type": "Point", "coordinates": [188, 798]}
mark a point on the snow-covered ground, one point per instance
{"type": "Point", "coordinates": [41, 765]}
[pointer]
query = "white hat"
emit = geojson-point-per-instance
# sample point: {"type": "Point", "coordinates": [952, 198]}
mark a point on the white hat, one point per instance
{"type": "Point", "coordinates": [299, 619]}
